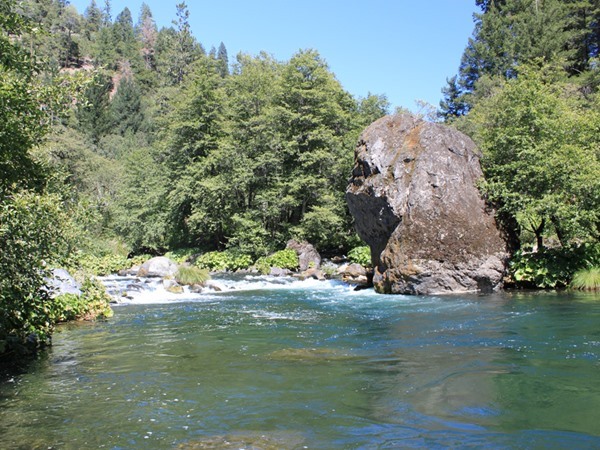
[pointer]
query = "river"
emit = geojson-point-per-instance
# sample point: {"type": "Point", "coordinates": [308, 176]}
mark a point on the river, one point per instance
{"type": "Point", "coordinates": [278, 364]}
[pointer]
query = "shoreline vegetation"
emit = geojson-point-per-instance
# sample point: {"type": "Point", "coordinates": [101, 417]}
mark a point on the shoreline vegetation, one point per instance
{"type": "Point", "coordinates": [120, 139]}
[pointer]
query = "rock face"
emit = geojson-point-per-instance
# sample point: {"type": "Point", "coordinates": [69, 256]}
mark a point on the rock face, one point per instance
{"type": "Point", "coordinates": [158, 267]}
{"type": "Point", "coordinates": [62, 283]}
{"type": "Point", "coordinates": [308, 256]}
{"type": "Point", "coordinates": [414, 199]}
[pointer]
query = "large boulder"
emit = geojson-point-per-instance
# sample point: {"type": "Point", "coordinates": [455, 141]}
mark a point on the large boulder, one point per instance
{"type": "Point", "coordinates": [414, 198]}
{"type": "Point", "coordinates": [308, 256]}
{"type": "Point", "coordinates": [61, 282]}
{"type": "Point", "coordinates": [159, 266]}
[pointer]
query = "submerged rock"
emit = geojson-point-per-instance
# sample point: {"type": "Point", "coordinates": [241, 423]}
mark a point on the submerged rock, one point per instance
{"type": "Point", "coordinates": [279, 272]}
{"type": "Point", "coordinates": [272, 440]}
{"type": "Point", "coordinates": [172, 286]}
{"type": "Point", "coordinates": [310, 355]}
{"type": "Point", "coordinates": [414, 199]}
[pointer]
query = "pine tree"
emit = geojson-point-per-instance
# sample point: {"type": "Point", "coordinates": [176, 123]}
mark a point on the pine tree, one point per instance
{"type": "Point", "coordinates": [92, 114]}
{"type": "Point", "coordinates": [125, 110]}
{"type": "Point", "coordinates": [124, 36]}
{"type": "Point", "coordinates": [107, 13]}
{"type": "Point", "coordinates": [147, 34]}
{"type": "Point", "coordinates": [94, 19]}
{"type": "Point", "coordinates": [507, 34]}
{"type": "Point", "coordinates": [187, 49]}
{"type": "Point", "coordinates": [223, 60]}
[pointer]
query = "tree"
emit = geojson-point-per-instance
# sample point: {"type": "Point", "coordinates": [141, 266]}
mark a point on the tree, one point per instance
{"type": "Point", "coordinates": [541, 159]}
{"type": "Point", "coordinates": [371, 108]}
{"type": "Point", "coordinates": [32, 221]}
{"type": "Point", "coordinates": [94, 19]}
{"type": "Point", "coordinates": [454, 103]}
{"type": "Point", "coordinates": [250, 155]}
{"type": "Point", "coordinates": [508, 33]}
{"type": "Point", "coordinates": [125, 109]}
{"type": "Point", "coordinates": [124, 37]}
{"type": "Point", "coordinates": [223, 60]}
{"type": "Point", "coordinates": [187, 50]}
{"type": "Point", "coordinates": [313, 115]}
{"type": "Point", "coordinates": [191, 133]}
{"type": "Point", "coordinates": [23, 122]}
{"type": "Point", "coordinates": [92, 114]}
{"type": "Point", "coordinates": [147, 34]}
{"type": "Point", "coordinates": [107, 13]}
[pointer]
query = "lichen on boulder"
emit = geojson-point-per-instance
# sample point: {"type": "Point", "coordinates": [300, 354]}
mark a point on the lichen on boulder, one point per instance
{"type": "Point", "coordinates": [414, 198]}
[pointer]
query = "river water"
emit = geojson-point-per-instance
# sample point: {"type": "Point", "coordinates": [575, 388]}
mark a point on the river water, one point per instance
{"type": "Point", "coordinates": [276, 364]}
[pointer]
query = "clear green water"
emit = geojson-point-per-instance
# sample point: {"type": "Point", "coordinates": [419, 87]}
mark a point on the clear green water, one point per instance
{"type": "Point", "coordinates": [321, 368]}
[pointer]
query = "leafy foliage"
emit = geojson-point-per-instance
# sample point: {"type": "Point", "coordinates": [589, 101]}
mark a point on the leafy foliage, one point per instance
{"type": "Point", "coordinates": [283, 259]}
{"type": "Point", "coordinates": [92, 304]}
{"type": "Point", "coordinates": [360, 255]}
{"type": "Point", "coordinates": [223, 261]}
{"type": "Point", "coordinates": [30, 237]}
{"type": "Point", "coordinates": [552, 268]}
{"type": "Point", "coordinates": [540, 156]}
{"type": "Point", "coordinates": [101, 265]}
{"type": "Point", "coordinates": [182, 255]}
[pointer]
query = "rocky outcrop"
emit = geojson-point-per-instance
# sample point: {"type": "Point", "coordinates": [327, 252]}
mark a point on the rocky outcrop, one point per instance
{"type": "Point", "coordinates": [61, 282]}
{"type": "Point", "coordinates": [308, 256]}
{"type": "Point", "coordinates": [158, 267]}
{"type": "Point", "coordinates": [414, 199]}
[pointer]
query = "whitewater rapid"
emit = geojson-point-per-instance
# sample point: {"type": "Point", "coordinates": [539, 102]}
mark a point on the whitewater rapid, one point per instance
{"type": "Point", "coordinates": [126, 290]}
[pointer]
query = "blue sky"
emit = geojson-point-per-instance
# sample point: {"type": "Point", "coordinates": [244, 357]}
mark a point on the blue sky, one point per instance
{"type": "Point", "coordinates": [404, 49]}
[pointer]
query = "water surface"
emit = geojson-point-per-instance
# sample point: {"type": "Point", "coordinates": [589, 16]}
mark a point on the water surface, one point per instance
{"type": "Point", "coordinates": [317, 365]}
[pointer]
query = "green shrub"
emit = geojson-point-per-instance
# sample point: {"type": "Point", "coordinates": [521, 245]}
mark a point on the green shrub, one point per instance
{"type": "Point", "coordinates": [284, 259]}
{"type": "Point", "coordinates": [107, 264]}
{"type": "Point", "coordinates": [92, 304]}
{"type": "Point", "coordinates": [587, 279]}
{"type": "Point", "coordinates": [101, 265]}
{"type": "Point", "coordinates": [552, 268]}
{"type": "Point", "coordinates": [360, 255]}
{"type": "Point", "coordinates": [31, 234]}
{"type": "Point", "coordinates": [223, 261]}
{"type": "Point", "coordinates": [182, 255]}
{"type": "Point", "coordinates": [190, 275]}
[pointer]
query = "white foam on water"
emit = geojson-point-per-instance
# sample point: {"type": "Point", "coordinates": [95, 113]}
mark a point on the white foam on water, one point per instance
{"type": "Point", "coordinates": [132, 290]}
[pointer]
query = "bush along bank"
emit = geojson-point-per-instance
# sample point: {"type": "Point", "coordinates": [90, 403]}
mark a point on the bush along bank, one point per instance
{"type": "Point", "coordinates": [556, 268]}
{"type": "Point", "coordinates": [24, 331]}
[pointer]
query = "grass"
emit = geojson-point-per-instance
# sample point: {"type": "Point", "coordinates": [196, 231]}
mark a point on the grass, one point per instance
{"type": "Point", "coordinates": [587, 279]}
{"type": "Point", "coordinates": [190, 275]}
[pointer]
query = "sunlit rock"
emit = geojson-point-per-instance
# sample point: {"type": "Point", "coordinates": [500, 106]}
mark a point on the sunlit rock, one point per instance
{"type": "Point", "coordinates": [158, 267]}
{"type": "Point", "coordinates": [414, 198]}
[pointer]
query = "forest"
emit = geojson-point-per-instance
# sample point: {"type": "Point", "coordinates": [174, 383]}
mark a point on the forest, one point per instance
{"type": "Point", "coordinates": [119, 139]}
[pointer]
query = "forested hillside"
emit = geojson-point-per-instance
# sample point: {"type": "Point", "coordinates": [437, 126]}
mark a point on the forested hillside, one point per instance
{"type": "Point", "coordinates": [172, 146]}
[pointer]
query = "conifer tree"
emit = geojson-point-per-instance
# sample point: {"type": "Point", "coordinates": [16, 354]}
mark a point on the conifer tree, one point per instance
{"type": "Point", "coordinates": [508, 33]}
{"type": "Point", "coordinates": [125, 111]}
{"type": "Point", "coordinates": [147, 34]}
{"type": "Point", "coordinates": [223, 60]}
{"type": "Point", "coordinates": [93, 19]}
{"type": "Point", "coordinates": [107, 13]}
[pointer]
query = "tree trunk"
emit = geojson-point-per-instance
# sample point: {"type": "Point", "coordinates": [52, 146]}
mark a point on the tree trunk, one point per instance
{"type": "Point", "coordinates": [539, 234]}
{"type": "Point", "coordinates": [560, 233]}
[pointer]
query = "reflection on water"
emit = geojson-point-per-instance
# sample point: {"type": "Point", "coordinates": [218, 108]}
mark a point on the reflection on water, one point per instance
{"type": "Point", "coordinates": [317, 366]}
